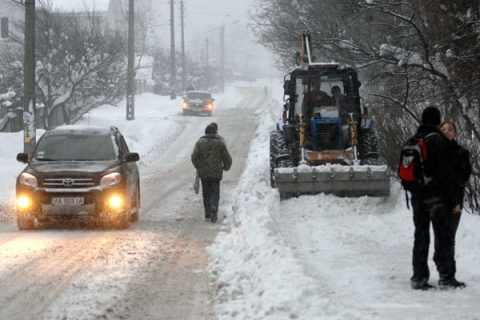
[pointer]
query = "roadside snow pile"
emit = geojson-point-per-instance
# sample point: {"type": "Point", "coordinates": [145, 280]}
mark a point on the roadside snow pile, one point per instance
{"type": "Point", "coordinates": [12, 144]}
{"type": "Point", "coordinates": [325, 257]}
{"type": "Point", "coordinates": [256, 273]}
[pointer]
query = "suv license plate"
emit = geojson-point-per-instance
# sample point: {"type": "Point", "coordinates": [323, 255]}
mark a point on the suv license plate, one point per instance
{"type": "Point", "coordinates": [67, 201]}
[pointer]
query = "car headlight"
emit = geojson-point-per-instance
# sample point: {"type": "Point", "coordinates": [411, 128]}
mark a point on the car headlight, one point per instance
{"type": "Point", "coordinates": [23, 202]}
{"type": "Point", "coordinates": [28, 180]}
{"type": "Point", "coordinates": [185, 105]}
{"type": "Point", "coordinates": [115, 202]}
{"type": "Point", "coordinates": [110, 179]}
{"type": "Point", "coordinates": [209, 106]}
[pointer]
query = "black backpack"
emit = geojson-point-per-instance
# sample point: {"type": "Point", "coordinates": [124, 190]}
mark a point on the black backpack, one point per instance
{"type": "Point", "coordinates": [411, 170]}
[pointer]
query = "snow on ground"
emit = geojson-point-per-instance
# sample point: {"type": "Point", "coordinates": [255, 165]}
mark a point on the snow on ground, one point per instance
{"type": "Point", "coordinates": [154, 127]}
{"type": "Point", "coordinates": [313, 257]}
{"type": "Point", "coordinates": [157, 122]}
{"type": "Point", "coordinates": [324, 257]}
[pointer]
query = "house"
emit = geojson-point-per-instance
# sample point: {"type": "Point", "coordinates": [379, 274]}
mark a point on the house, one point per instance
{"type": "Point", "coordinates": [117, 15]}
{"type": "Point", "coordinates": [117, 20]}
{"type": "Point", "coordinates": [11, 12]}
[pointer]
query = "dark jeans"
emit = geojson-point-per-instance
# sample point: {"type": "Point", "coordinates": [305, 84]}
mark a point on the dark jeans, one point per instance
{"type": "Point", "coordinates": [211, 195]}
{"type": "Point", "coordinates": [445, 224]}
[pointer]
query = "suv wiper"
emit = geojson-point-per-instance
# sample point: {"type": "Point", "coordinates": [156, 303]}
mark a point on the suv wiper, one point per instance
{"type": "Point", "coordinates": [45, 159]}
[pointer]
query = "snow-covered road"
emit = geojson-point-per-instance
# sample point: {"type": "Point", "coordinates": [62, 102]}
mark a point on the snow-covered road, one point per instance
{"type": "Point", "coordinates": [156, 269]}
{"type": "Point", "coordinates": [312, 257]}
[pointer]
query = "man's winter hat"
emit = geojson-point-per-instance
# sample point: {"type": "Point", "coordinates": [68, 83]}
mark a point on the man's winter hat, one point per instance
{"type": "Point", "coordinates": [214, 124]}
{"type": "Point", "coordinates": [210, 129]}
{"type": "Point", "coordinates": [431, 115]}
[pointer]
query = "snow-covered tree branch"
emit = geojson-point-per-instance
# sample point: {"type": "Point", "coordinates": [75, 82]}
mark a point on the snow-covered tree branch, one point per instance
{"type": "Point", "coordinates": [410, 53]}
{"type": "Point", "coordinates": [79, 65]}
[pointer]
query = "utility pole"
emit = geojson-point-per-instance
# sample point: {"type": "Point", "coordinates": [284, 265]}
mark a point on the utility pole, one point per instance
{"type": "Point", "coordinates": [131, 63]}
{"type": "Point", "coordinates": [207, 49]}
{"type": "Point", "coordinates": [184, 66]}
{"type": "Point", "coordinates": [173, 81]}
{"type": "Point", "coordinates": [222, 42]}
{"type": "Point", "coordinates": [29, 101]}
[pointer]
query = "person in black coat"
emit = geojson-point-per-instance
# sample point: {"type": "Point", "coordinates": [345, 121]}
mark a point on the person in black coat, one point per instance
{"type": "Point", "coordinates": [458, 174]}
{"type": "Point", "coordinates": [460, 169]}
{"type": "Point", "coordinates": [429, 206]}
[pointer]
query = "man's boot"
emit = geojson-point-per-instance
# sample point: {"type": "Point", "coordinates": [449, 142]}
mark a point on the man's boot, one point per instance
{"type": "Point", "coordinates": [214, 215]}
{"type": "Point", "coordinates": [422, 285]}
{"type": "Point", "coordinates": [450, 283]}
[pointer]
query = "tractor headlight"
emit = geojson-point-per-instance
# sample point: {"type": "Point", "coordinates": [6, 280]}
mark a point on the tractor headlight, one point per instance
{"type": "Point", "coordinates": [110, 179]}
{"type": "Point", "coordinates": [23, 202]}
{"type": "Point", "coordinates": [28, 180]}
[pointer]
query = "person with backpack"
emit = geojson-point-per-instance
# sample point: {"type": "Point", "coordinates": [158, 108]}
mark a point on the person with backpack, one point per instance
{"type": "Point", "coordinates": [210, 157]}
{"type": "Point", "coordinates": [424, 170]}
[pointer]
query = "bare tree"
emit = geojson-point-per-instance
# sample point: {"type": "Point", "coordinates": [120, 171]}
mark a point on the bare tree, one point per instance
{"type": "Point", "coordinates": [79, 67]}
{"type": "Point", "coordinates": [410, 54]}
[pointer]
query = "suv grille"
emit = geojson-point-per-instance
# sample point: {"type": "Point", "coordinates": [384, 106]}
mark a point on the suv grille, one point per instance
{"type": "Point", "coordinates": [197, 105]}
{"type": "Point", "coordinates": [68, 182]}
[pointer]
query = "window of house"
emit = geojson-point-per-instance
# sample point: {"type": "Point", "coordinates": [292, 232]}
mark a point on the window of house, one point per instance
{"type": "Point", "coordinates": [4, 27]}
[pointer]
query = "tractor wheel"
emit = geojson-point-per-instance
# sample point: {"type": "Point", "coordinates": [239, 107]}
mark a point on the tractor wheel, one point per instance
{"type": "Point", "coordinates": [278, 147]}
{"type": "Point", "coordinates": [369, 146]}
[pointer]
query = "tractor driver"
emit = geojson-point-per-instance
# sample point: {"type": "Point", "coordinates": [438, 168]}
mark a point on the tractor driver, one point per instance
{"type": "Point", "coordinates": [343, 107]}
{"type": "Point", "coordinates": [314, 98]}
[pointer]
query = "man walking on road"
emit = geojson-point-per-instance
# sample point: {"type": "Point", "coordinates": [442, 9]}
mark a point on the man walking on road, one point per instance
{"type": "Point", "coordinates": [210, 157]}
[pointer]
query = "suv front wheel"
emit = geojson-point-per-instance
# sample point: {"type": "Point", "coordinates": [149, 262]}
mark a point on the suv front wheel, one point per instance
{"type": "Point", "coordinates": [121, 220]}
{"type": "Point", "coordinates": [25, 223]}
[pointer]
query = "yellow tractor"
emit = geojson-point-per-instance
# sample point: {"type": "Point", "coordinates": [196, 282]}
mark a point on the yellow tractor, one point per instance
{"type": "Point", "coordinates": [325, 142]}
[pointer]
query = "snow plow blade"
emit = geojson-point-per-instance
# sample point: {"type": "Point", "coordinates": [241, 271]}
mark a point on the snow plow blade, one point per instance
{"type": "Point", "coordinates": [344, 181]}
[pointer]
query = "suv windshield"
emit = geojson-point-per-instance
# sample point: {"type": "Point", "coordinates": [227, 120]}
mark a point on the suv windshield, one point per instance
{"type": "Point", "coordinates": [76, 148]}
{"type": "Point", "coordinates": [199, 95]}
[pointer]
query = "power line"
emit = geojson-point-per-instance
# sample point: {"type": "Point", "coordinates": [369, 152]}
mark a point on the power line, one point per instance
{"type": "Point", "coordinates": [220, 14]}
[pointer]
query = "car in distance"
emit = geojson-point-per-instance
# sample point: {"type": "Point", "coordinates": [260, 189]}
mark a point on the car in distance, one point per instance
{"type": "Point", "coordinates": [198, 102]}
{"type": "Point", "coordinates": [79, 171]}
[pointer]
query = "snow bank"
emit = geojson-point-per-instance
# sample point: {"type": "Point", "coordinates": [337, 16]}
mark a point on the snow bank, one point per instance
{"type": "Point", "coordinates": [325, 257]}
{"type": "Point", "coordinates": [249, 249]}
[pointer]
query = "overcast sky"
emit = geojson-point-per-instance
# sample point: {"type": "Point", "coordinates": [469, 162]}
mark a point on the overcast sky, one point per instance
{"type": "Point", "coordinates": [202, 18]}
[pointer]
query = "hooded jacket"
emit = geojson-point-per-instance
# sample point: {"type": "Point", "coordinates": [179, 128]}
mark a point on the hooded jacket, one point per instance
{"type": "Point", "coordinates": [210, 157]}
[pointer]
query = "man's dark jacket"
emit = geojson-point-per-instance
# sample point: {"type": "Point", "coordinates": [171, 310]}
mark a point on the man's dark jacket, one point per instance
{"type": "Point", "coordinates": [436, 164]}
{"type": "Point", "coordinates": [210, 157]}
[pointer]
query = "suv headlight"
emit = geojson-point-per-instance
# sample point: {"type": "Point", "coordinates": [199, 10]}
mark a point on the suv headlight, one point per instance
{"type": "Point", "coordinates": [28, 180]}
{"type": "Point", "coordinates": [110, 179]}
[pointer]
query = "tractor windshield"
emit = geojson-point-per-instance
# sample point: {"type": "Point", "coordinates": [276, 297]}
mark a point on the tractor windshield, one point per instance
{"type": "Point", "coordinates": [324, 95]}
